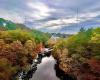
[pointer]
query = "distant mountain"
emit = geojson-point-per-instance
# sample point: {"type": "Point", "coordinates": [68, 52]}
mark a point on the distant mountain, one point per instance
{"type": "Point", "coordinates": [62, 35]}
{"type": "Point", "coordinates": [22, 27]}
{"type": "Point", "coordinates": [8, 25]}
{"type": "Point", "coordinates": [38, 35]}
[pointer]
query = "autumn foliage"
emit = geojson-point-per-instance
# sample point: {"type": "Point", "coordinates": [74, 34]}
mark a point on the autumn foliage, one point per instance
{"type": "Point", "coordinates": [79, 54]}
{"type": "Point", "coordinates": [17, 47]}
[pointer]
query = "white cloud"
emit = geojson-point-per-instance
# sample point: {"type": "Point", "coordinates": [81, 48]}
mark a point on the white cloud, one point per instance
{"type": "Point", "coordinates": [54, 27]}
{"type": "Point", "coordinates": [33, 11]}
{"type": "Point", "coordinates": [12, 16]}
{"type": "Point", "coordinates": [61, 22]}
{"type": "Point", "coordinates": [41, 14]}
{"type": "Point", "coordinates": [90, 15]}
{"type": "Point", "coordinates": [39, 10]}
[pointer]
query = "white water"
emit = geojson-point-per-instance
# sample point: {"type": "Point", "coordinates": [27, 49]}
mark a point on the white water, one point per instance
{"type": "Point", "coordinates": [45, 70]}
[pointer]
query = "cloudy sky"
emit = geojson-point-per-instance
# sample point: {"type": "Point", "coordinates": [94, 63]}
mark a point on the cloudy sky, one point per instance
{"type": "Point", "coordinates": [52, 15]}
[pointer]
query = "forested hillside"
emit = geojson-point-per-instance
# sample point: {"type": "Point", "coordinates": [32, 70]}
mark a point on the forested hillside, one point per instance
{"type": "Point", "coordinates": [17, 48]}
{"type": "Point", "coordinates": [79, 54]}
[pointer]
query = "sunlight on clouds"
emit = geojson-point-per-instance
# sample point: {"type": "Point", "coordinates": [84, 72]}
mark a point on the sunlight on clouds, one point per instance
{"type": "Point", "coordinates": [51, 14]}
{"type": "Point", "coordinates": [54, 27]}
{"type": "Point", "coordinates": [40, 10]}
{"type": "Point", "coordinates": [60, 22]}
{"type": "Point", "coordinates": [69, 21]}
{"type": "Point", "coordinates": [90, 15]}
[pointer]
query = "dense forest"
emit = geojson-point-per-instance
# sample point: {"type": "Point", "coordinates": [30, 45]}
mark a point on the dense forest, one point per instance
{"type": "Point", "coordinates": [18, 46]}
{"type": "Point", "coordinates": [79, 55]}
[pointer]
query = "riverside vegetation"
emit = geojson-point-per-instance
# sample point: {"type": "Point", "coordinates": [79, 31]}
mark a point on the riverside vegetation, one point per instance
{"type": "Point", "coordinates": [18, 47]}
{"type": "Point", "coordinates": [78, 55]}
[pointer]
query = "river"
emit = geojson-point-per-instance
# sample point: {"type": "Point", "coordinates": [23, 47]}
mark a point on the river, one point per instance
{"type": "Point", "coordinates": [45, 70]}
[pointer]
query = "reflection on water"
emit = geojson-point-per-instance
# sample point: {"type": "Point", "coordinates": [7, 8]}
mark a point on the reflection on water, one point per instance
{"type": "Point", "coordinates": [45, 70]}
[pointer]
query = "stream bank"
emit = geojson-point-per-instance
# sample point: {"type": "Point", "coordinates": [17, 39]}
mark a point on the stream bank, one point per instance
{"type": "Point", "coordinates": [45, 67]}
